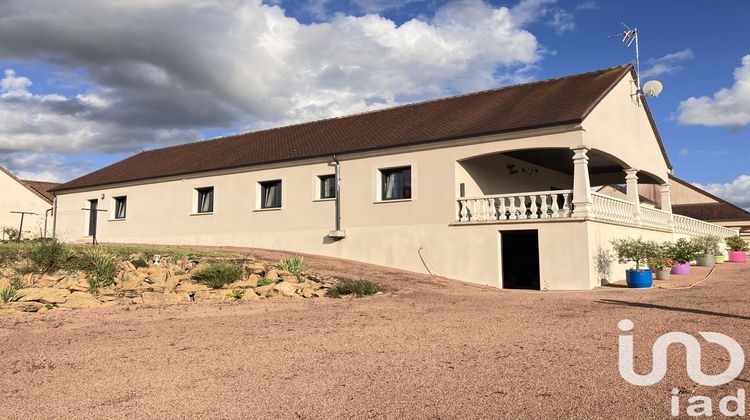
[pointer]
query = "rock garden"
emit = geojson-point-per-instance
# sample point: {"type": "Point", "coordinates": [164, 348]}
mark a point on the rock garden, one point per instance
{"type": "Point", "coordinates": [48, 275]}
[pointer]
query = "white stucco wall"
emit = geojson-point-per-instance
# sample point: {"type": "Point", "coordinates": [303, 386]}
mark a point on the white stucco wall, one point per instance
{"type": "Point", "coordinates": [16, 197]}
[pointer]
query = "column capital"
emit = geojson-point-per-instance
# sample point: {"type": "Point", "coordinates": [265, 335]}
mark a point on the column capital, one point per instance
{"type": "Point", "coordinates": [665, 188]}
{"type": "Point", "coordinates": [580, 153]}
{"type": "Point", "coordinates": [631, 173]}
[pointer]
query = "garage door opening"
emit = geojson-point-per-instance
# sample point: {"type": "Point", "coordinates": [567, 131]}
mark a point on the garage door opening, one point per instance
{"type": "Point", "coordinates": [520, 259]}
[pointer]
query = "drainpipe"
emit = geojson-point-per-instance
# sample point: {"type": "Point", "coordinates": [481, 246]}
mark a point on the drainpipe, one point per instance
{"type": "Point", "coordinates": [337, 234]}
{"type": "Point", "coordinates": [46, 216]}
{"type": "Point", "coordinates": [54, 218]}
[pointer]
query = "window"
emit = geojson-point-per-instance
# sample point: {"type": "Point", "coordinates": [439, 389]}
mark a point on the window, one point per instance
{"type": "Point", "coordinates": [205, 200]}
{"type": "Point", "coordinates": [396, 183]}
{"type": "Point", "coordinates": [270, 194]}
{"type": "Point", "coordinates": [327, 186]}
{"type": "Point", "coordinates": [121, 207]}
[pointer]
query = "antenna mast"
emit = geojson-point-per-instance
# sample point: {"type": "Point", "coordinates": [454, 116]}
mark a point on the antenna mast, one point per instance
{"type": "Point", "coordinates": [628, 37]}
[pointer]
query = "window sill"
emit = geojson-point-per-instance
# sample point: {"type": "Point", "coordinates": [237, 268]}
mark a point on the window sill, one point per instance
{"type": "Point", "coordinates": [324, 199]}
{"type": "Point", "coordinates": [270, 209]}
{"type": "Point", "coordinates": [400, 200]}
{"type": "Point", "coordinates": [118, 220]}
{"type": "Point", "coordinates": [202, 214]}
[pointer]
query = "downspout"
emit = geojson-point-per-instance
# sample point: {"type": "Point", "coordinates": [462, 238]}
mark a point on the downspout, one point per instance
{"type": "Point", "coordinates": [337, 234]}
{"type": "Point", "coordinates": [46, 216]}
{"type": "Point", "coordinates": [54, 218]}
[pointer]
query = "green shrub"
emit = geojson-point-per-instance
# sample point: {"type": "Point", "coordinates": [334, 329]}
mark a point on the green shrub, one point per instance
{"type": "Point", "coordinates": [180, 272]}
{"type": "Point", "coordinates": [100, 267]}
{"type": "Point", "coordinates": [735, 243]}
{"type": "Point", "coordinates": [684, 251]}
{"type": "Point", "coordinates": [236, 294]}
{"type": "Point", "coordinates": [635, 250]}
{"type": "Point", "coordinates": [16, 282]}
{"type": "Point", "coordinates": [707, 243]}
{"type": "Point", "coordinates": [265, 282]}
{"type": "Point", "coordinates": [11, 233]}
{"type": "Point", "coordinates": [48, 256]}
{"type": "Point", "coordinates": [9, 294]}
{"type": "Point", "coordinates": [25, 267]}
{"type": "Point", "coordinates": [294, 265]}
{"type": "Point", "coordinates": [217, 275]}
{"type": "Point", "coordinates": [139, 263]}
{"type": "Point", "coordinates": [356, 287]}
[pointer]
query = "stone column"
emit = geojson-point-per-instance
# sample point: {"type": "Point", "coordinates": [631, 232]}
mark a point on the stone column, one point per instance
{"type": "Point", "coordinates": [631, 181]}
{"type": "Point", "coordinates": [582, 204]}
{"type": "Point", "coordinates": [666, 202]}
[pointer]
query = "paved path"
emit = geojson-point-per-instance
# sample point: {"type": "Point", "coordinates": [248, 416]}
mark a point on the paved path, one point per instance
{"type": "Point", "coordinates": [428, 348]}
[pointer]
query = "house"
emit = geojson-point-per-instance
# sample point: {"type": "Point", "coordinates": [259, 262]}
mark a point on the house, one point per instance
{"type": "Point", "coordinates": [32, 197]}
{"type": "Point", "coordinates": [492, 187]}
{"type": "Point", "coordinates": [691, 201]}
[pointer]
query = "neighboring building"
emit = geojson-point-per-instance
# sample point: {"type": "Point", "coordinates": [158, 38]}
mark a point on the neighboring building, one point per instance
{"type": "Point", "coordinates": [493, 187]}
{"type": "Point", "coordinates": [691, 201]}
{"type": "Point", "coordinates": [24, 196]}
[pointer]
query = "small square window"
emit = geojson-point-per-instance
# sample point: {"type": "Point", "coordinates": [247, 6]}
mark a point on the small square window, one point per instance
{"type": "Point", "coordinates": [205, 200]}
{"type": "Point", "coordinates": [121, 207]}
{"type": "Point", "coordinates": [270, 194]}
{"type": "Point", "coordinates": [327, 186]}
{"type": "Point", "coordinates": [396, 183]}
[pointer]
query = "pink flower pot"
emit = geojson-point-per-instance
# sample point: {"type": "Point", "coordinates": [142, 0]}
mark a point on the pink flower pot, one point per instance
{"type": "Point", "coordinates": [682, 269]}
{"type": "Point", "coordinates": [737, 256]}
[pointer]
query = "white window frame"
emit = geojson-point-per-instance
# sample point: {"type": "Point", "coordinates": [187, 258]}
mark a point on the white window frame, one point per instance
{"type": "Point", "coordinates": [378, 185]}
{"type": "Point", "coordinates": [196, 195]}
{"type": "Point", "coordinates": [259, 195]}
{"type": "Point", "coordinates": [113, 213]}
{"type": "Point", "coordinates": [317, 187]}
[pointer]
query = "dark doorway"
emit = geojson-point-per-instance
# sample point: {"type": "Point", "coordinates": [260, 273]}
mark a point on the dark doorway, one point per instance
{"type": "Point", "coordinates": [520, 259]}
{"type": "Point", "coordinates": [93, 205]}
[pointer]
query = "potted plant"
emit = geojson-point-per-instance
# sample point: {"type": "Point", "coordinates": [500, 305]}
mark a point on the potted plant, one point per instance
{"type": "Point", "coordinates": [739, 248]}
{"type": "Point", "coordinates": [718, 255]}
{"type": "Point", "coordinates": [683, 251]}
{"type": "Point", "coordinates": [637, 251]}
{"type": "Point", "coordinates": [707, 245]}
{"type": "Point", "coordinates": [661, 264]}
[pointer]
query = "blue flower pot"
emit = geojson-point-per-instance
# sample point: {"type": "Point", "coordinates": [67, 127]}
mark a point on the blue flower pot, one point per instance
{"type": "Point", "coordinates": [639, 279]}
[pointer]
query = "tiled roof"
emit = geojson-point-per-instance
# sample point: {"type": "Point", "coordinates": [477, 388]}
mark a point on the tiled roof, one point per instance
{"type": "Point", "coordinates": [547, 103]}
{"type": "Point", "coordinates": [711, 212]}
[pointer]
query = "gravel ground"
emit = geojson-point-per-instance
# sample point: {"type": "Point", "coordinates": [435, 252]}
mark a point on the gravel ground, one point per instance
{"type": "Point", "coordinates": [427, 348]}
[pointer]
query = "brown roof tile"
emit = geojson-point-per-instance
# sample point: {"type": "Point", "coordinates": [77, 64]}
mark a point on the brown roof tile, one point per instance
{"type": "Point", "coordinates": [42, 188]}
{"type": "Point", "coordinates": [533, 105]}
{"type": "Point", "coordinates": [711, 212]}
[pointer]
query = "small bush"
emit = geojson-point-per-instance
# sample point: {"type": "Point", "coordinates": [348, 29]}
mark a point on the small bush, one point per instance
{"type": "Point", "coordinates": [180, 272]}
{"type": "Point", "coordinates": [265, 282]}
{"type": "Point", "coordinates": [295, 265]}
{"type": "Point", "coordinates": [100, 267]}
{"type": "Point", "coordinates": [139, 263]}
{"type": "Point", "coordinates": [9, 294]}
{"type": "Point", "coordinates": [11, 233]}
{"type": "Point", "coordinates": [356, 287]}
{"type": "Point", "coordinates": [684, 251]}
{"type": "Point", "coordinates": [236, 294]}
{"type": "Point", "coordinates": [735, 243]}
{"type": "Point", "coordinates": [635, 250]}
{"type": "Point", "coordinates": [48, 256]}
{"type": "Point", "coordinates": [217, 275]}
{"type": "Point", "coordinates": [16, 282]}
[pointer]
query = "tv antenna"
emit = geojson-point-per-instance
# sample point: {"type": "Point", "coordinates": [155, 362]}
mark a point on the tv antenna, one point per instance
{"type": "Point", "coordinates": [630, 36]}
{"type": "Point", "coordinates": [652, 87]}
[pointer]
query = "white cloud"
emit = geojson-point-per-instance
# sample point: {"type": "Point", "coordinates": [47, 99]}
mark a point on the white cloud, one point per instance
{"type": "Point", "coordinates": [728, 107]}
{"type": "Point", "coordinates": [736, 192]}
{"type": "Point", "coordinates": [153, 79]}
{"type": "Point", "coordinates": [561, 21]}
{"type": "Point", "coordinates": [588, 5]}
{"type": "Point", "coordinates": [667, 64]}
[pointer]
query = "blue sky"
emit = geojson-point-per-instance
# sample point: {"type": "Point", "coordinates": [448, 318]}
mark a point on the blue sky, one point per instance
{"type": "Point", "coordinates": [107, 81]}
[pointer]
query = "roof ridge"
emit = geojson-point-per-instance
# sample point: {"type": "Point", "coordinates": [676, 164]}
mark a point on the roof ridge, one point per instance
{"type": "Point", "coordinates": [374, 111]}
{"type": "Point", "coordinates": [704, 192]}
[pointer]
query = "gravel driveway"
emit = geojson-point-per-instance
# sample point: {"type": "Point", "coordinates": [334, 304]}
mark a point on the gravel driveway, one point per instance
{"type": "Point", "coordinates": [427, 348]}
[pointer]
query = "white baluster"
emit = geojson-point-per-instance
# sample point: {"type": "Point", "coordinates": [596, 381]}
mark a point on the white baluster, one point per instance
{"type": "Point", "coordinates": [545, 208]}
{"type": "Point", "coordinates": [463, 212]}
{"type": "Point", "coordinates": [534, 208]}
{"type": "Point", "coordinates": [503, 209]}
{"type": "Point", "coordinates": [513, 209]}
{"type": "Point", "coordinates": [566, 205]}
{"type": "Point", "coordinates": [555, 206]}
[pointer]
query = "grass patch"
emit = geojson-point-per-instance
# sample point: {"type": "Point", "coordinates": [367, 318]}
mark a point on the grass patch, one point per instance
{"type": "Point", "coordinates": [9, 294]}
{"type": "Point", "coordinates": [294, 265]}
{"type": "Point", "coordinates": [265, 282]}
{"type": "Point", "coordinates": [100, 267]}
{"type": "Point", "coordinates": [236, 294]}
{"type": "Point", "coordinates": [359, 288]}
{"type": "Point", "coordinates": [217, 275]}
{"type": "Point", "coordinates": [174, 252]}
{"type": "Point", "coordinates": [139, 263]}
{"type": "Point", "coordinates": [49, 256]}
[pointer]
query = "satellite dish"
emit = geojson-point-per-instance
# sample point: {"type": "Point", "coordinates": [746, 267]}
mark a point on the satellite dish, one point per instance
{"type": "Point", "coordinates": [653, 88]}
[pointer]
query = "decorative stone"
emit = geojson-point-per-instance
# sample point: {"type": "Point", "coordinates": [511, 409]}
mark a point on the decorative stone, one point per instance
{"type": "Point", "coordinates": [43, 294]}
{"type": "Point", "coordinates": [289, 279]}
{"type": "Point", "coordinates": [81, 300]}
{"type": "Point", "coordinates": [192, 287]}
{"type": "Point", "coordinates": [256, 267]}
{"type": "Point", "coordinates": [250, 295]}
{"type": "Point", "coordinates": [25, 306]}
{"type": "Point", "coordinates": [285, 289]}
{"type": "Point", "coordinates": [49, 280]}
{"type": "Point", "coordinates": [153, 298]}
{"type": "Point", "coordinates": [73, 283]}
{"type": "Point", "coordinates": [272, 274]}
